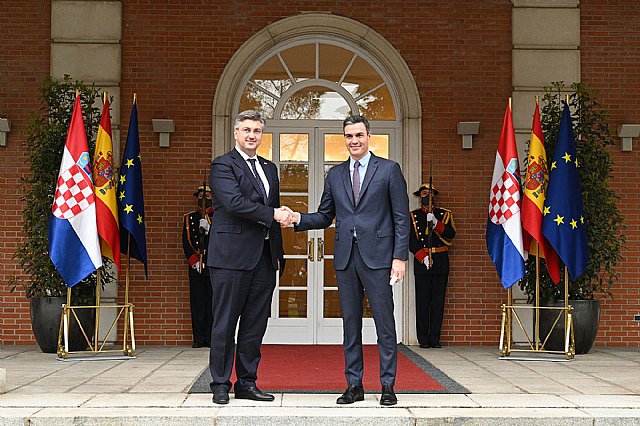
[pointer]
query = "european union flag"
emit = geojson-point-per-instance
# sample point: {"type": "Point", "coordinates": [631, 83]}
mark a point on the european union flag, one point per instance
{"type": "Point", "coordinates": [563, 220]}
{"type": "Point", "coordinates": [130, 199]}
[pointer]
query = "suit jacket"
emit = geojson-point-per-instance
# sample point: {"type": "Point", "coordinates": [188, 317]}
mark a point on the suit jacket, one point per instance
{"type": "Point", "coordinates": [381, 219]}
{"type": "Point", "coordinates": [241, 220]}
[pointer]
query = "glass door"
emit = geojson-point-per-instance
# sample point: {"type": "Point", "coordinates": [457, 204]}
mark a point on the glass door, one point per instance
{"type": "Point", "coordinates": [292, 318]}
{"type": "Point", "coordinates": [306, 305]}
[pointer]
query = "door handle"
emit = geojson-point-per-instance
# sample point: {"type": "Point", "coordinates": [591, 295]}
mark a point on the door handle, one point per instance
{"type": "Point", "coordinates": [320, 249]}
{"type": "Point", "coordinates": [310, 249]}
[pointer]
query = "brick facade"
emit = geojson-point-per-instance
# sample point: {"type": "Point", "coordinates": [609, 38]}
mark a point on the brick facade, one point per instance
{"type": "Point", "coordinates": [459, 53]}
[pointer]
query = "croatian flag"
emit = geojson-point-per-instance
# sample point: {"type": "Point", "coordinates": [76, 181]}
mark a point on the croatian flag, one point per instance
{"type": "Point", "coordinates": [74, 245]}
{"type": "Point", "coordinates": [504, 229]}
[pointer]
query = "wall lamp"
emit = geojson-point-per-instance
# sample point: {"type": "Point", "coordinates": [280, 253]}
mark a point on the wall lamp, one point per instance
{"type": "Point", "coordinates": [626, 132]}
{"type": "Point", "coordinates": [467, 129]}
{"type": "Point", "coordinates": [164, 127]}
{"type": "Point", "coordinates": [5, 126]}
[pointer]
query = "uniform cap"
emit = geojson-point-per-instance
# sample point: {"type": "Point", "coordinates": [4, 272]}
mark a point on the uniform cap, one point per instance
{"type": "Point", "coordinates": [202, 188]}
{"type": "Point", "coordinates": [425, 186]}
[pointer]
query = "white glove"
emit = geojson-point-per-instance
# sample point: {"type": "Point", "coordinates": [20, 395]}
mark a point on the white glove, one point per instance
{"type": "Point", "coordinates": [426, 262]}
{"type": "Point", "coordinates": [204, 224]}
{"type": "Point", "coordinates": [196, 266]}
{"type": "Point", "coordinates": [431, 219]}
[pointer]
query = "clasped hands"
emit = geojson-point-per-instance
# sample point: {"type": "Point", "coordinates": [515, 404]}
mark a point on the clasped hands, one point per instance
{"type": "Point", "coordinates": [285, 216]}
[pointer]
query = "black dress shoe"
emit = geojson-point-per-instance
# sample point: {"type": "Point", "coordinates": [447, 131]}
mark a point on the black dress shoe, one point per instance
{"type": "Point", "coordinates": [352, 394]}
{"type": "Point", "coordinates": [220, 395]}
{"type": "Point", "coordinates": [424, 345]}
{"type": "Point", "coordinates": [388, 397]}
{"type": "Point", "coordinates": [254, 394]}
{"type": "Point", "coordinates": [437, 346]}
{"type": "Point", "coordinates": [198, 345]}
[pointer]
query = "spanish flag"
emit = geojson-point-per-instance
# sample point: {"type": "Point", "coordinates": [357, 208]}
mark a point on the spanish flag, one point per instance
{"type": "Point", "coordinates": [535, 190]}
{"type": "Point", "coordinates": [105, 189]}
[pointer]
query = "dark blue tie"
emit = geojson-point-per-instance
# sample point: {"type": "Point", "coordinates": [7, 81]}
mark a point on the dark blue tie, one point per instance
{"type": "Point", "coordinates": [252, 161]}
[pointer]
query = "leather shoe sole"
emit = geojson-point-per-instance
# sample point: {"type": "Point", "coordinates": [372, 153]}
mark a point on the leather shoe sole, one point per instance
{"type": "Point", "coordinates": [254, 394]}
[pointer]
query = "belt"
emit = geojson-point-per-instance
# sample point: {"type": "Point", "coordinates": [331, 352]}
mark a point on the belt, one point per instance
{"type": "Point", "coordinates": [438, 249]}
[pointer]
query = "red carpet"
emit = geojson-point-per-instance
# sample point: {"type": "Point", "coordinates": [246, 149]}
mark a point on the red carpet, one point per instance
{"type": "Point", "coordinates": [321, 368]}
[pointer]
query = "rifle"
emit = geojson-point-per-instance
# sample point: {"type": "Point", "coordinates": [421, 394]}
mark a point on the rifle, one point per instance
{"type": "Point", "coordinates": [430, 229]}
{"type": "Point", "coordinates": [202, 206]}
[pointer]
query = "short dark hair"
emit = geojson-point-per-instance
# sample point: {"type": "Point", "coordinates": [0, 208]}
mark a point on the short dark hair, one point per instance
{"type": "Point", "coordinates": [354, 119]}
{"type": "Point", "coordinates": [248, 115]}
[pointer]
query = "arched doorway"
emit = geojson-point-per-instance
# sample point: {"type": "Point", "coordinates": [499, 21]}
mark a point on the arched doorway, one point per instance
{"type": "Point", "coordinates": [305, 82]}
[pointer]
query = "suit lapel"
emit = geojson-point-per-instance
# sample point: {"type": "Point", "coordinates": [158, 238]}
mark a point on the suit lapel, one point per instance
{"type": "Point", "coordinates": [371, 170]}
{"type": "Point", "coordinates": [346, 180]}
{"type": "Point", "coordinates": [244, 166]}
{"type": "Point", "coordinates": [268, 171]}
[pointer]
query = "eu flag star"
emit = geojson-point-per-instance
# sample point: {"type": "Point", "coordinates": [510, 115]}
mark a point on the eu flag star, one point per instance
{"type": "Point", "coordinates": [129, 162]}
{"type": "Point", "coordinates": [546, 210]}
{"type": "Point", "coordinates": [128, 208]}
{"type": "Point", "coordinates": [139, 219]}
{"type": "Point", "coordinates": [121, 196]}
{"type": "Point", "coordinates": [553, 165]}
{"type": "Point", "coordinates": [566, 157]}
{"type": "Point", "coordinates": [123, 179]}
{"type": "Point", "coordinates": [574, 224]}
{"type": "Point", "coordinates": [559, 220]}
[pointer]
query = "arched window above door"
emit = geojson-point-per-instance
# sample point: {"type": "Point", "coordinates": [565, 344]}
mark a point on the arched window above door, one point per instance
{"type": "Point", "coordinates": [317, 81]}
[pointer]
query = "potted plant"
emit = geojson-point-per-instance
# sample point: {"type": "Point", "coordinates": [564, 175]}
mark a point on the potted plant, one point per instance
{"type": "Point", "coordinates": [603, 221]}
{"type": "Point", "coordinates": [44, 143]}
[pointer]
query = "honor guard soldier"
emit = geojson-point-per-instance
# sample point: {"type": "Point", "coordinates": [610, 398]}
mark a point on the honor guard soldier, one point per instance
{"type": "Point", "coordinates": [195, 240]}
{"type": "Point", "coordinates": [432, 232]}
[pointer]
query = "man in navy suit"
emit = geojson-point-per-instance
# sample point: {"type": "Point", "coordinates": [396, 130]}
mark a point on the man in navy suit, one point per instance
{"type": "Point", "coordinates": [367, 195]}
{"type": "Point", "coordinates": [245, 251]}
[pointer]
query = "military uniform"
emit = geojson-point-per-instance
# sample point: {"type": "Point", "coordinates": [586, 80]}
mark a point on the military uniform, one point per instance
{"type": "Point", "coordinates": [430, 283]}
{"type": "Point", "coordinates": [195, 243]}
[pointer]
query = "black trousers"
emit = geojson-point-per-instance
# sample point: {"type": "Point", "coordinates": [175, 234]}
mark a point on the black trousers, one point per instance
{"type": "Point", "coordinates": [243, 296]}
{"type": "Point", "coordinates": [200, 297]}
{"type": "Point", "coordinates": [430, 295]}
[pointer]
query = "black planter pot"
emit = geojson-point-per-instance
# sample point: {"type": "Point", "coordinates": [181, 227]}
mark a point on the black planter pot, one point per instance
{"type": "Point", "coordinates": [586, 318]}
{"type": "Point", "coordinates": [45, 322]}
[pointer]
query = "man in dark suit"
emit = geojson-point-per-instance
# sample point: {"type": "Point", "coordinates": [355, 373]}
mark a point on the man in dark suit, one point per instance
{"type": "Point", "coordinates": [432, 233]}
{"type": "Point", "coordinates": [367, 195]}
{"type": "Point", "coordinates": [245, 251]}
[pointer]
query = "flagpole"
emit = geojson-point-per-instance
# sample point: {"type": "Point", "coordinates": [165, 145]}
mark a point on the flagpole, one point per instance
{"type": "Point", "coordinates": [126, 296]}
{"type": "Point", "coordinates": [97, 325]}
{"type": "Point", "coordinates": [566, 303]}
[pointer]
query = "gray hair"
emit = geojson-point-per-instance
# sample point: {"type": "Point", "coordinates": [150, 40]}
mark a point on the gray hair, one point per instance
{"type": "Point", "coordinates": [248, 115]}
{"type": "Point", "coordinates": [354, 119]}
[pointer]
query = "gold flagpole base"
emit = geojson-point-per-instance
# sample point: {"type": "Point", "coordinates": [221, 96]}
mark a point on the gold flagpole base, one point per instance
{"type": "Point", "coordinates": [535, 346]}
{"type": "Point", "coordinates": [125, 311]}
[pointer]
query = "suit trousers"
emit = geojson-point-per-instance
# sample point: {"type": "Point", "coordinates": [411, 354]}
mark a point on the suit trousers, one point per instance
{"type": "Point", "coordinates": [244, 296]}
{"type": "Point", "coordinates": [430, 297]}
{"type": "Point", "coordinates": [356, 279]}
{"type": "Point", "coordinates": [200, 299]}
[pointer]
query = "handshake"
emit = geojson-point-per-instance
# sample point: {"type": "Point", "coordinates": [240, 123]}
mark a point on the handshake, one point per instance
{"type": "Point", "coordinates": [285, 216]}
